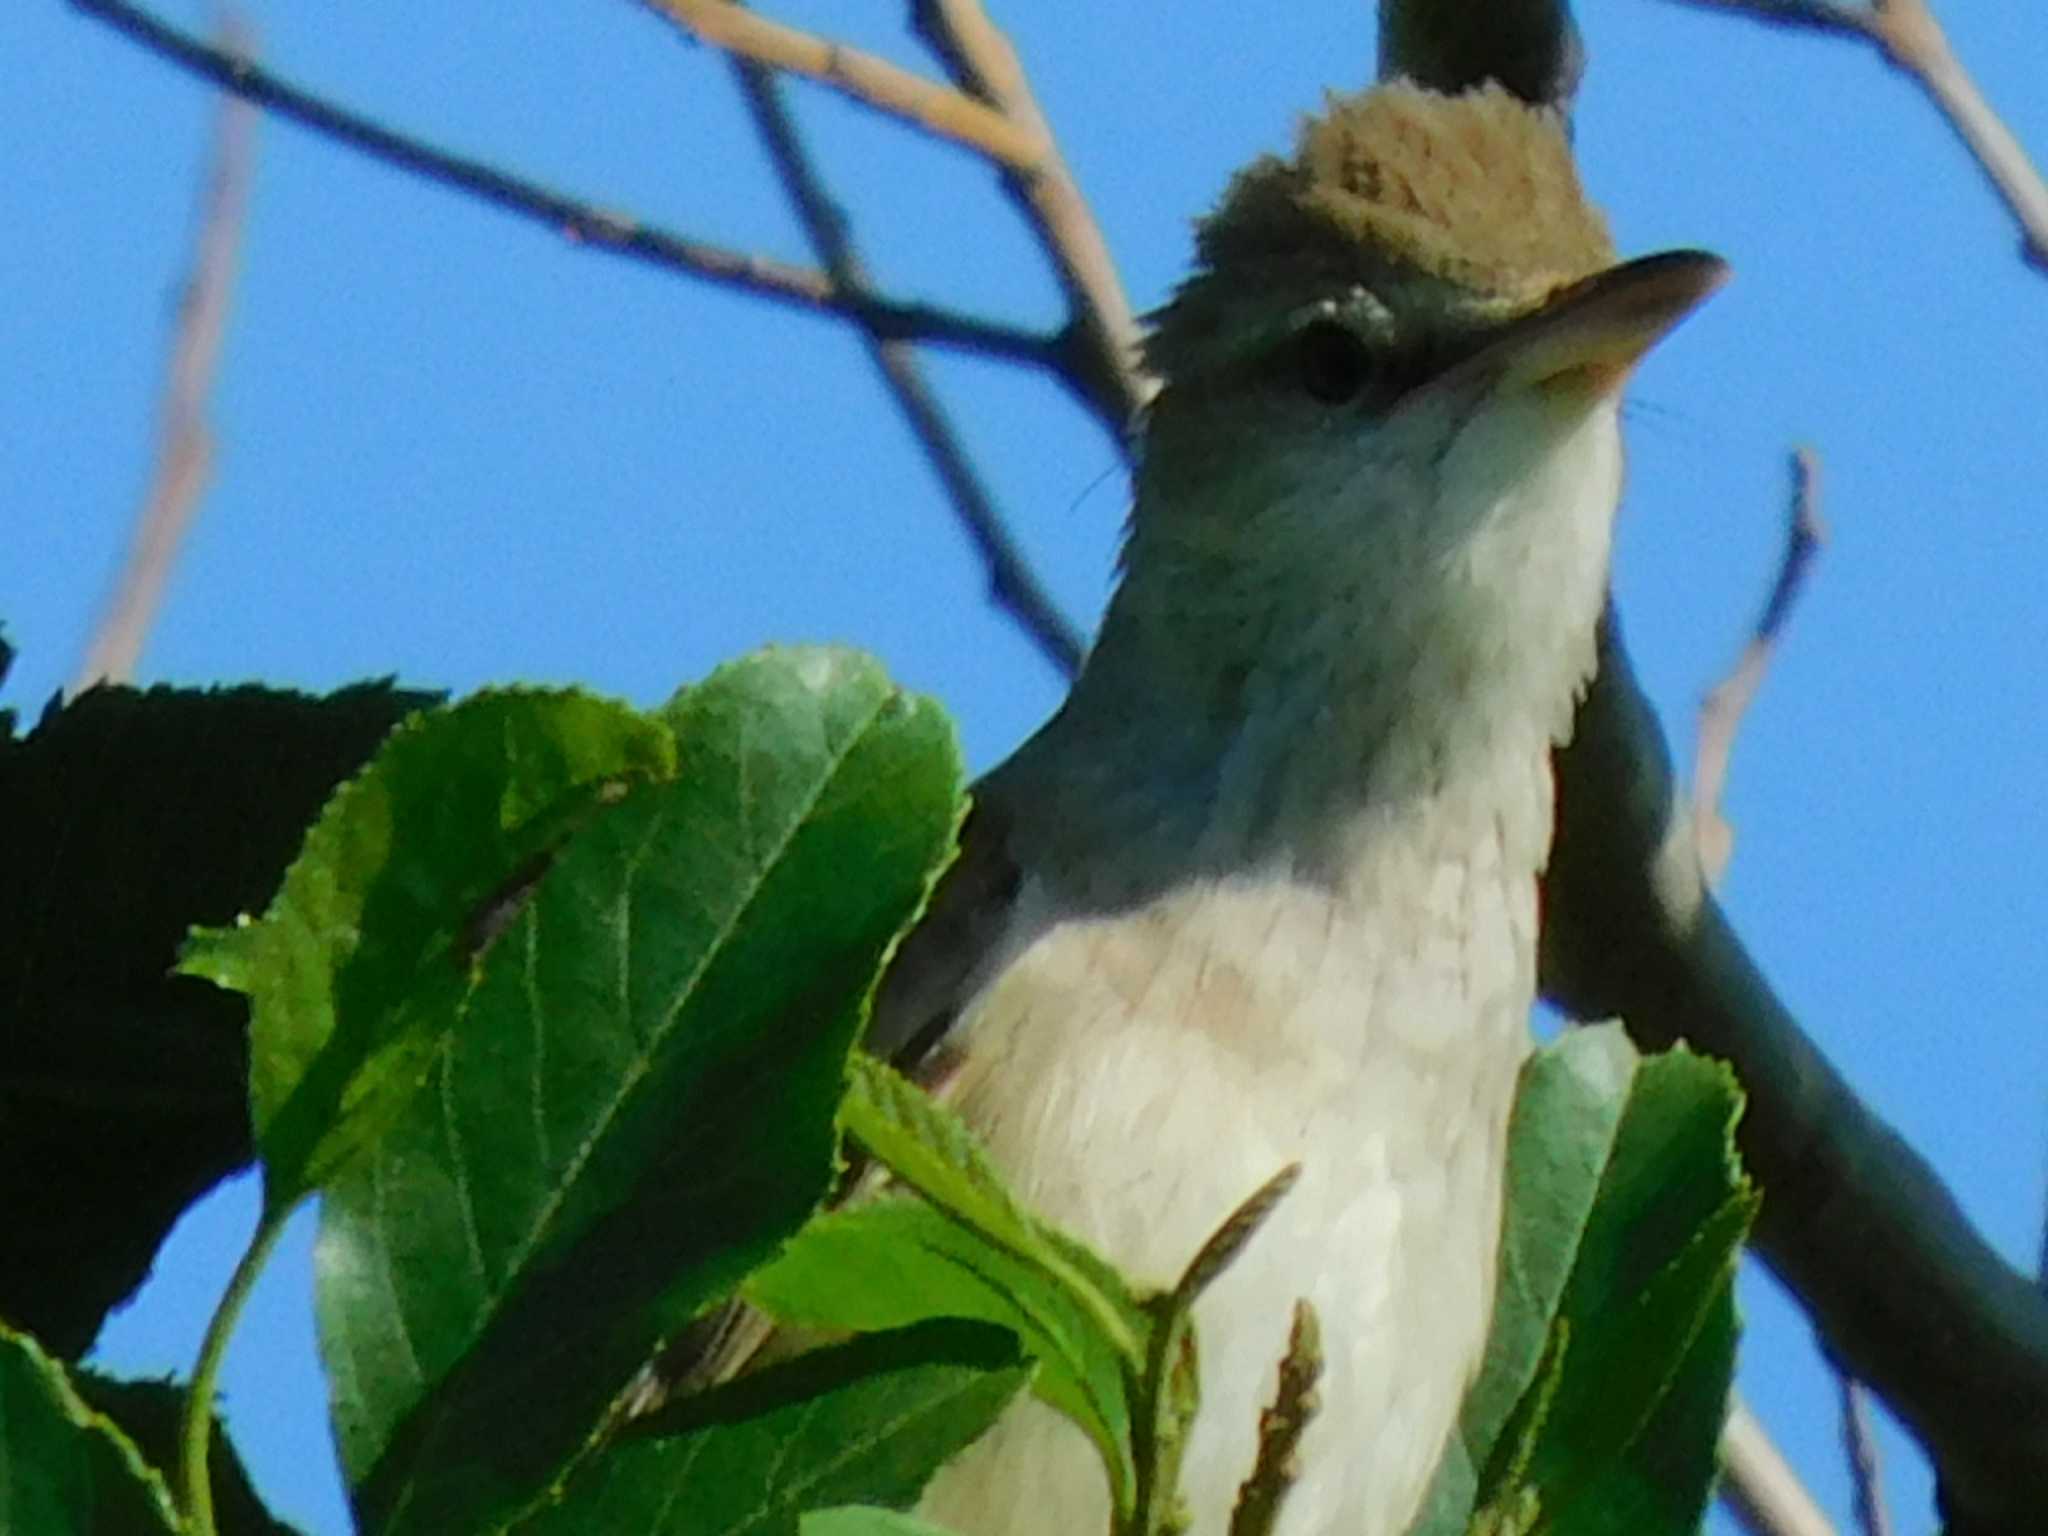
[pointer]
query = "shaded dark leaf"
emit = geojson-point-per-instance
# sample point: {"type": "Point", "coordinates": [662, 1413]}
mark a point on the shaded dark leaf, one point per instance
{"type": "Point", "coordinates": [127, 816]}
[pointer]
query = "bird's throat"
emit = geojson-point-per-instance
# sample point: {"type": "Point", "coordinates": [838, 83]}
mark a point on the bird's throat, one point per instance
{"type": "Point", "coordinates": [1279, 905]}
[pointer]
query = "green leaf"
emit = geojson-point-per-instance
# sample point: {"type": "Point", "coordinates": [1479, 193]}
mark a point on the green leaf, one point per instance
{"type": "Point", "coordinates": [1628, 1443]}
{"type": "Point", "coordinates": [1662, 1482]}
{"type": "Point", "coordinates": [634, 1104]}
{"type": "Point", "coordinates": [930, 1149]}
{"type": "Point", "coordinates": [898, 1261]}
{"type": "Point", "coordinates": [1607, 1369]}
{"type": "Point", "coordinates": [354, 971]}
{"type": "Point", "coordinates": [863, 1422]}
{"type": "Point", "coordinates": [151, 1415]}
{"type": "Point", "coordinates": [66, 1469]}
{"type": "Point", "coordinates": [976, 1253]}
{"type": "Point", "coordinates": [1561, 1139]}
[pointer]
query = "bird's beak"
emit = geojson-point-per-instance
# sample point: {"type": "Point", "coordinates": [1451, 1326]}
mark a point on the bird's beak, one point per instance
{"type": "Point", "coordinates": [1588, 338]}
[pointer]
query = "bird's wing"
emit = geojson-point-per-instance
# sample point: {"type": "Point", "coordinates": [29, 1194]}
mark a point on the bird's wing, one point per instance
{"type": "Point", "coordinates": [947, 956]}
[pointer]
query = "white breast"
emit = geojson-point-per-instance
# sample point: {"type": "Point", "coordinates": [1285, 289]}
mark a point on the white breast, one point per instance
{"type": "Point", "coordinates": [1138, 1075]}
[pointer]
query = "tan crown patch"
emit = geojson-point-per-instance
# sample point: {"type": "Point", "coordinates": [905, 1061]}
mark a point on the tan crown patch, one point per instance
{"type": "Point", "coordinates": [1398, 187]}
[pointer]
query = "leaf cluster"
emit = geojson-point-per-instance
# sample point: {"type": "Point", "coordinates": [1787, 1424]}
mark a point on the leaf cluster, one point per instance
{"type": "Point", "coordinates": [555, 1009]}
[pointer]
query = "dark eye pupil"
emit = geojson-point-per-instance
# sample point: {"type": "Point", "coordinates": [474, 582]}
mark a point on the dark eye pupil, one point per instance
{"type": "Point", "coordinates": [1331, 363]}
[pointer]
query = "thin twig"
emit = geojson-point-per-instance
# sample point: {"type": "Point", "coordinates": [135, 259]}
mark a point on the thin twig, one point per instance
{"type": "Point", "coordinates": [2040, 1260]}
{"type": "Point", "coordinates": [1722, 711]}
{"type": "Point", "coordinates": [1910, 38]}
{"type": "Point", "coordinates": [1103, 364]}
{"type": "Point", "coordinates": [184, 444]}
{"type": "Point", "coordinates": [583, 222]}
{"type": "Point", "coordinates": [1859, 1440]}
{"type": "Point", "coordinates": [863, 77]}
{"type": "Point", "coordinates": [1012, 583]}
{"type": "Point", "coordinates": [1759, 1487]}
{"type": "Point", "coordinates": [1632, 930]}
{"type": "Point", "coordinates": [1915, 42]}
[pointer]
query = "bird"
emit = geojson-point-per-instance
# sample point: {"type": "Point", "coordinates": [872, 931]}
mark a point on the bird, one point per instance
{"type": "Point", "coordinates": [1264, 889]}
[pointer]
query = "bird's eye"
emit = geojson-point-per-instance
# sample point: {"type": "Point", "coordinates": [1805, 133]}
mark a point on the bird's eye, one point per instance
{"type": "Point", "coordinates": [1331, 363]}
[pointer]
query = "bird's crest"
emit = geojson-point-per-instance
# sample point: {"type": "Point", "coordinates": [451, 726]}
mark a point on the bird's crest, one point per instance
{"type": "Point", "coordinates": [1470, 200]}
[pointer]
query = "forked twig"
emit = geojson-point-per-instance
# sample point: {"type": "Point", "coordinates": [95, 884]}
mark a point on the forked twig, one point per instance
{"type": "Point", "coordinates": [841, 288]}
{"type": "Point", "coordinates": [1012, 583]}
{"type": "Point", "coordinates": [582, 222]}
{"type": "Point", "coordinates": [1103, 359]}
{"type": "Point", "coordinates": [991, 109]}
{"type": "Point", "coordinates": [184, 443]}
{"type": "Point", "coordinates": [1913, 42]}
{"type": "Point", "coordinates": [1722, 711]}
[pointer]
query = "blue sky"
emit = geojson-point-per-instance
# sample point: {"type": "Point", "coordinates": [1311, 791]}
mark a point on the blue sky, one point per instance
{"type": "Point", "coordinates": [459, 449]}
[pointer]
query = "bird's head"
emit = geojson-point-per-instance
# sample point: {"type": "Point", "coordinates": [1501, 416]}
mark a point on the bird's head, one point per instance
{"type": "Point", "coordinates": [1388, 424]}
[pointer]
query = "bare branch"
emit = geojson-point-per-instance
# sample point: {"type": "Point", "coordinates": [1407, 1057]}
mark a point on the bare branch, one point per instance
{"type": "Point", "coordinates": [1103, 362]}
{"type": "Point", "coordinates": [1859, 1440]}
{"type": "Point", "coordinates": [184, 445]}
{"type": "Point", "coordinates": [1913, 42]}
{"type": "Point", "coordinates": [1725, 704]}
{"type": "Point", "coordinates": [1012, 583]}
{"type": "Point", "coordinates": [1632, 930]}
{"type": "Point", "coordinates": [2040, 1261]}
{"type": "Point", "coordinates": [844, 293]}
{"type": "Point", "coordinates": [862, 77]}
{"type": "Point", "coordinates": [582, 222]}
{"type": "Point", "coordinates": [1759, 1487]}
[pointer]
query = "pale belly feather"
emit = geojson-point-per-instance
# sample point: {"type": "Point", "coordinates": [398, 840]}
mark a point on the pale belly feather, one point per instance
{"type": "Point", "coordinates": [1139, 1075]}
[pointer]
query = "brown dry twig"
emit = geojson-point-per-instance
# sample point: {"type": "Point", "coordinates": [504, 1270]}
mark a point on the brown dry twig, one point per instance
{"type": "Point", "coordinates": [582, 222]}
{"type": "Point", "coordinates": [1013, 585]}
{"type": "Point", "coordinates": [1910, 38]}
{"type": "Point", "coordinates": [1102, 333]}
{"type": "Point", "coordinates": [1722, 711]}
{"type": "Point", "coordinates": [991, 109]}
{"type": "Point", "coordinates": [864, 77]}
{"type": "Point", "coordinates": [1098, 346]}
{"type": "Point", "coordinates": [1759, 1487]}
{"type": "Point", "coordinates": [1860, 1442]}
{"type": "Point", "coordinates": [184, 444]}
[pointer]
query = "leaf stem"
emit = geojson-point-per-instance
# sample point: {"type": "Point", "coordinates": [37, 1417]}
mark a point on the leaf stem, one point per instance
{"type": "Point", "coordinates": [195, 1492]}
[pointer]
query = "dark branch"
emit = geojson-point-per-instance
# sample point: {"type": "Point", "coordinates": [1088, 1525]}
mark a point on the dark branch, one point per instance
{"type": "Point", "coordinates": [1012, 583]}
{"type": "Point", "coordinates": [582, 222]}
{"type": "Point", "coordinates": [1902, 1287]}
{"type": "Point", "coordinates": [1800, 15]}
{"type": "Point", "coordinates": [1100, 361]}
